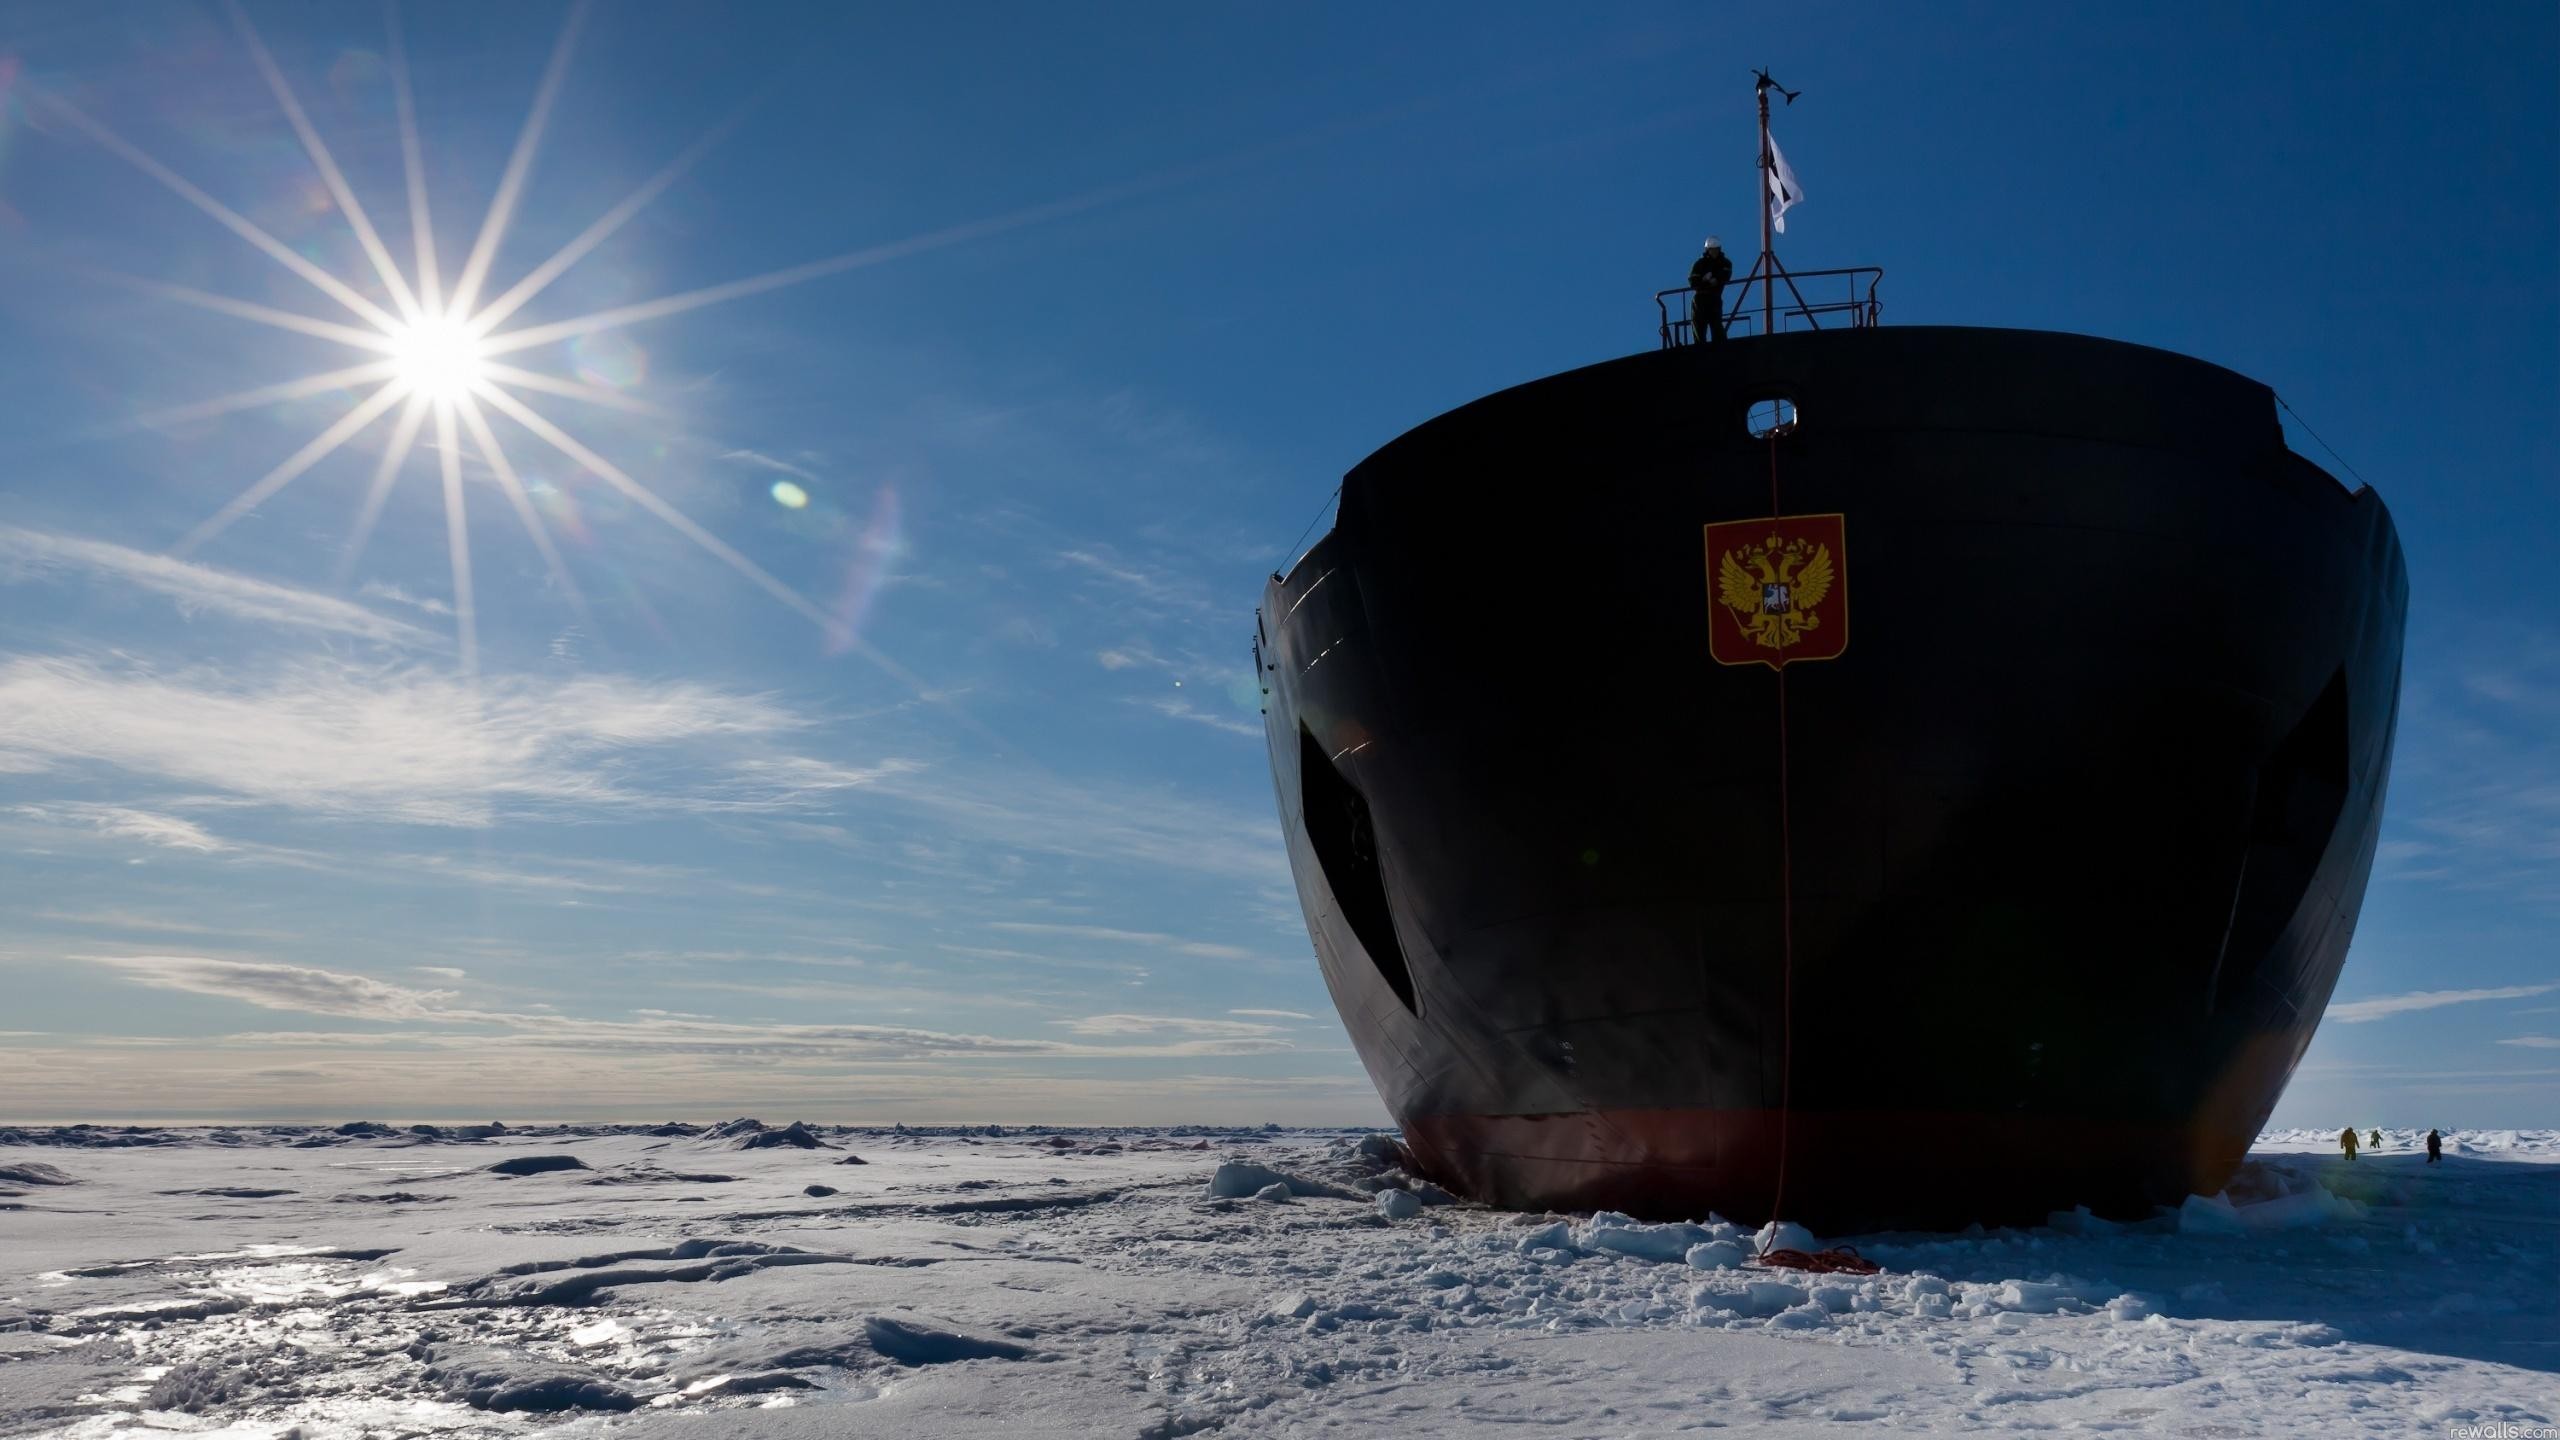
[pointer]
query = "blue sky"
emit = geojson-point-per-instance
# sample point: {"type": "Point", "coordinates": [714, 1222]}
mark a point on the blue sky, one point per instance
{"type": "Point", "coordinates": [981, 829]}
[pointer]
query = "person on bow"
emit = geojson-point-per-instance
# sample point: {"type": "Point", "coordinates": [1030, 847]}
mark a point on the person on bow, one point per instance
{"type": "Point", "coordinates": [1707, 279]}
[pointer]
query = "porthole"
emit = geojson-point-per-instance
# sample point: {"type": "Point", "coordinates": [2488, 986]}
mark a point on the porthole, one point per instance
{"type": "Point", "coordinates": [1774, 416]}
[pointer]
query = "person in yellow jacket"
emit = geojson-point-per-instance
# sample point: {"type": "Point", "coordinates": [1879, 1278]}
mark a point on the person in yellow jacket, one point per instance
{"type": "Point", "coordinates": [2347, 1141]}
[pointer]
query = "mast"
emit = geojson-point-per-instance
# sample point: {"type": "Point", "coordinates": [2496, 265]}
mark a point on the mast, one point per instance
{"type": "Point", "coordinates": [1767, 266]}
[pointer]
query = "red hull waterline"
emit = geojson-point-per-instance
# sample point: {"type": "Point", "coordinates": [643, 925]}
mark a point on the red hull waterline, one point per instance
{"type": "Point", "coordinates": [1872, 1169]}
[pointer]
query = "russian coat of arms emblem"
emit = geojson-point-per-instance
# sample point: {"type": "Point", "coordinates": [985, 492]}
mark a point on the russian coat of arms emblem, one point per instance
{"type": "Point", "coordinates": [1777, 589]}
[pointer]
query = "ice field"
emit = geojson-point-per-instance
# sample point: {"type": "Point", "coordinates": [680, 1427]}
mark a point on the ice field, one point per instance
{"type": "Point", "coordinates": [802, 1282]}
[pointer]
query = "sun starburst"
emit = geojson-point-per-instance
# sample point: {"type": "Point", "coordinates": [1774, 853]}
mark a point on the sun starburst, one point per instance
{"type": "Point", "coordinates": [432, 355]}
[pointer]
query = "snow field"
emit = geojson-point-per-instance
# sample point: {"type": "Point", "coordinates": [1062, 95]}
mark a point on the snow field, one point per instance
{"type": "Point", "coordinates": [681, 1281]}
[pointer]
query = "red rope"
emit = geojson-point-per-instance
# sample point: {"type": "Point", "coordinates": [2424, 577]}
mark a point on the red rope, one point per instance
{"type": "Point", "coordinates": [1786, 924]}
{"type": "Point", "coordinates": [1787, 955]}
{"type": "Point", "coordinates": [1773, 468]}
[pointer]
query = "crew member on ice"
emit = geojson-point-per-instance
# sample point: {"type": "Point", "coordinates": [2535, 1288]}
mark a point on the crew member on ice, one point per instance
{"type": "Point", "coordinates": [2347, 1141]}
{"type": "Point", "coordinates": [2375, 1139]}
{"type": "Point", "coordinates": [1706, 293]}
{"type": "Point", "coordinates": [2435, 1147]}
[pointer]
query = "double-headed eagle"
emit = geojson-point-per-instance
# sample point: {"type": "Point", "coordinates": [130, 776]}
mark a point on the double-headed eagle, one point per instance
{"type": "Point", "coordinates": [1772, 587]}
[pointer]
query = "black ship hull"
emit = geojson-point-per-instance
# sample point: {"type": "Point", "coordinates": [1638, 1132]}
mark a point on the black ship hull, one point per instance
{"type": "Point", "coordinates": [2031, 897]}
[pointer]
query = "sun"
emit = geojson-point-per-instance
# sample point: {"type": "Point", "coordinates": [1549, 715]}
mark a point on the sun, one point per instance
{"type": "Point", "coordinates": [439, 357]}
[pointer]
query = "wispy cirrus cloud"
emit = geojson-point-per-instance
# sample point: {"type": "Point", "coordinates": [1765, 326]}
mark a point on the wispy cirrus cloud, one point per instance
{"type": "Point", "coordinates": [999, 953]}
{"type": "Point", "coordinates": [1159, 594]}
{"type": "Point", "coordinates": [274, 986]}
{"type": "Point", "coordinates": [762, 461]}
{"type": "Point", "coordinates": [151, 924]}
{"type": "Point", "coordinates": [539, 875]}
{"type": "Point", "coordinates": [2353, 1012]}
{"type": "Point", "coordinates": [781, 780]}
{"type": "Point", "coordinates": [125, 823]}
{"type": "Point", "coordinates": [382, 590]}
{"type": "Point", "coordinates": [419, 746]}
{"type": "Point", "coordinates": [401, 743]}
{"type": "Point", "coordinates": [1098, 820]}
{"type": "Point", "coordinates": [196, 589]}
{"type": "Point", "coordinates": [547, 873]}
{"type": "Point", "coordinates": [2534, 1042]}
{"type": "Point", "coordinates": [306, 990]}
{"type": "Point", "coordinates": [1167, 1025]}
{"type": "Point", "coordinates": [1275, 1014]}
{"type": "Point", "coordinates": [1156, 939]}
{"type": "Point", "coordinates": [1175, 708]}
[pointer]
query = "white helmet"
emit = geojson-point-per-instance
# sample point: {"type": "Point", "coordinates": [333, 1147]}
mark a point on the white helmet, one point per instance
{"type": "Point", "coordinates": [1714, 244]}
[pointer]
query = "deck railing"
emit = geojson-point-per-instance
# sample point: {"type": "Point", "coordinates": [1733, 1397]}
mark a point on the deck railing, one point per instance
{"type": "Point", "coordinates": [1789, 295]}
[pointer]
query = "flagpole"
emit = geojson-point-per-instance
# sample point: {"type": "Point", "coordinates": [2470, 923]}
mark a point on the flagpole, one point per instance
{"type": "Point", "coordinates": [1768, 188]}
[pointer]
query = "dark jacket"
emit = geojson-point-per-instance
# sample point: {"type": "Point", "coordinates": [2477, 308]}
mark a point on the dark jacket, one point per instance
{"type": "Point", "coordinates": [1712, 270]}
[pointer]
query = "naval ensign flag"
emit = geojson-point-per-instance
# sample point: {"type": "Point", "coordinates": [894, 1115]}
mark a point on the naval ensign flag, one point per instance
{"type": "Point", "coordinates": [1784, 192]}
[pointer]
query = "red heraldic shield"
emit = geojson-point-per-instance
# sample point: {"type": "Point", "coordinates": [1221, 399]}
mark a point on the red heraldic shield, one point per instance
{"type": "Point", "coordinates": [1778, 589]}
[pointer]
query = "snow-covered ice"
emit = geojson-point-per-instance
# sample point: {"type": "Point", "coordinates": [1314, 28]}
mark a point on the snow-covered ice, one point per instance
{"type": "Point", "coordinates": [751, 1280]}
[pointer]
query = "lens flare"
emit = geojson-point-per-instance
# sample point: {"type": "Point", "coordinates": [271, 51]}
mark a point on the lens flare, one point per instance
{"type": "Point", "coordinates": [610, 359]}
{"type": "Point", "coordinates": [790, 496]}
{"type": "Point", "coordinates": [876, 552]}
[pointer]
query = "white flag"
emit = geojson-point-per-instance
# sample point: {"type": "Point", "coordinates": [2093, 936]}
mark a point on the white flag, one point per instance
{"type": "Point", "coordinates": [1784, 192]}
